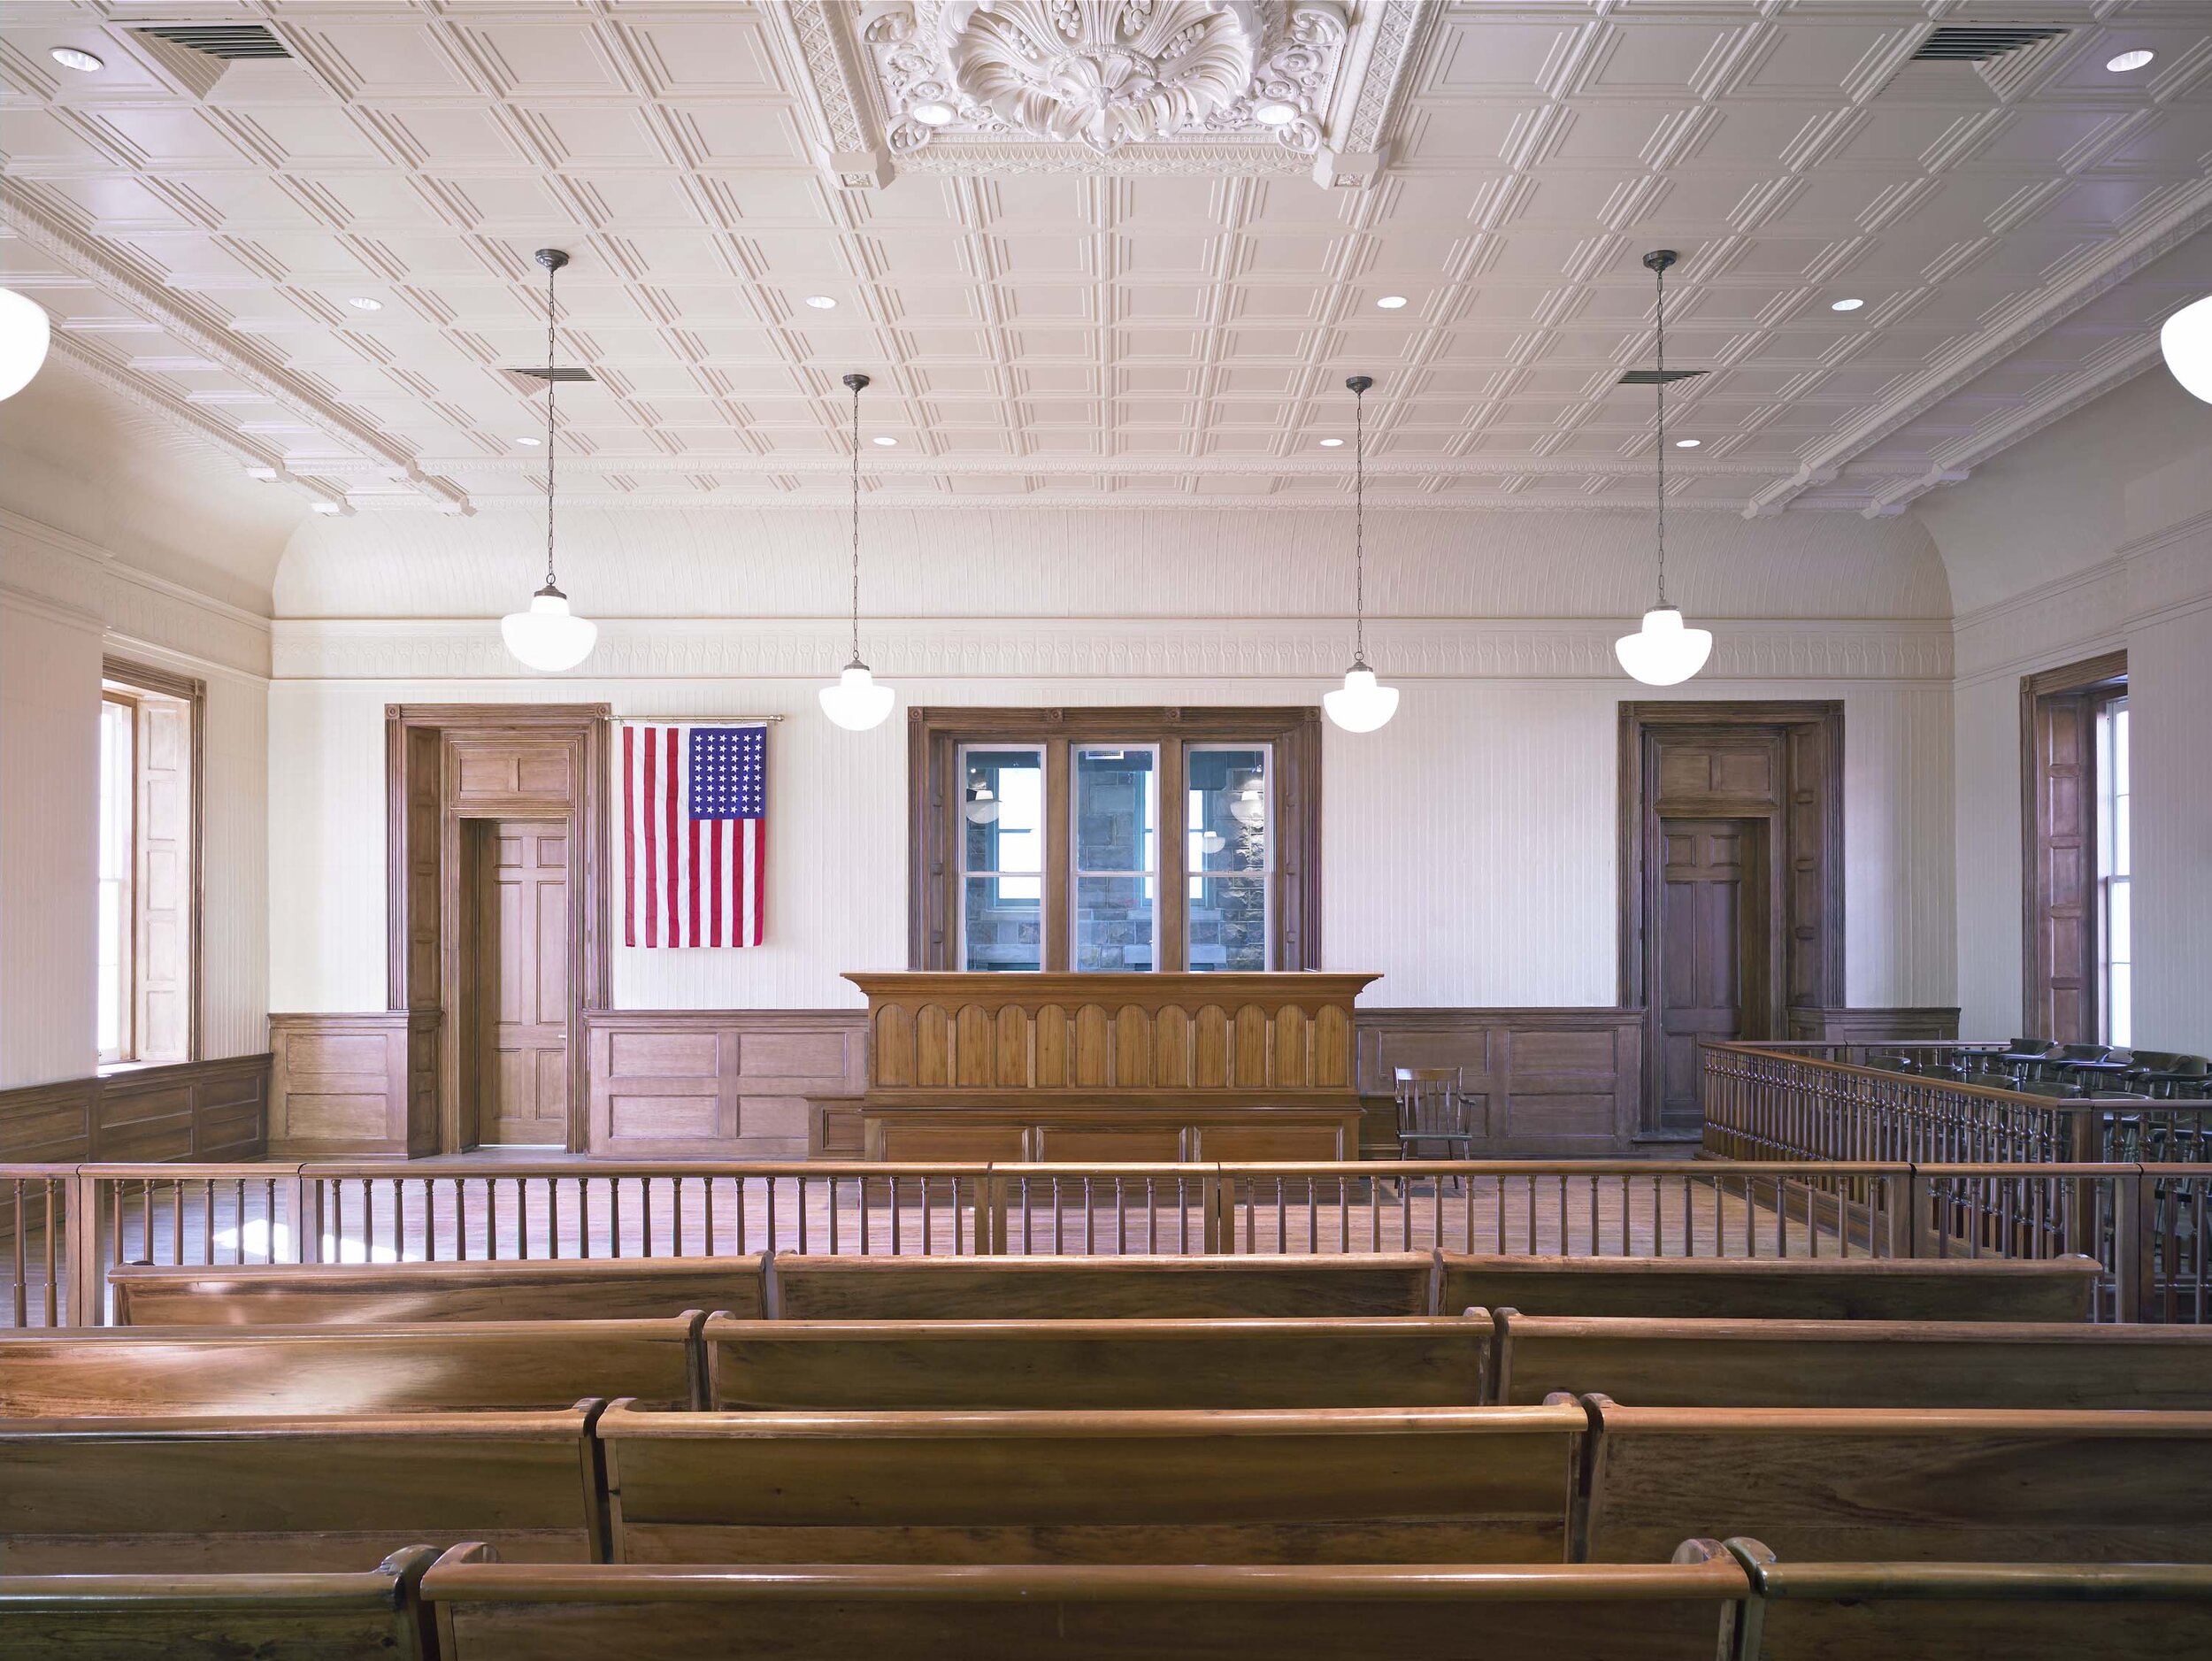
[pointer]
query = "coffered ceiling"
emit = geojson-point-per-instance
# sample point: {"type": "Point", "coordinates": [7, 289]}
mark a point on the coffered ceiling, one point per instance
{"type": "Point", "coordinates": [1110, 329]}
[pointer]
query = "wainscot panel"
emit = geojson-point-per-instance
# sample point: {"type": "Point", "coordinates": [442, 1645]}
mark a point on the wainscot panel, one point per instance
{"type": "Point", "coordinates": [1545, 1082]}
{"type": "Point", "coordinates": [354, 1086]}
{"type": "Point", "coordinates": [1863, 1027]}
{"type": "Point", "coordinates": [208, 1110]}
{"type": "Point", "coordinates": [730, 1084]}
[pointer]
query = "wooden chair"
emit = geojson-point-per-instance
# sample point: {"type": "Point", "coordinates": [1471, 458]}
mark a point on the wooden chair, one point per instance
{"type": "Point", "coordinates": [1098, 1288]}
{"type": "Point", "coordinates": [489, 1610]}
{"type": "Point", "coordinates": [1433, 1111]}
{"type": "Point", "coordinates": [374, 1615]}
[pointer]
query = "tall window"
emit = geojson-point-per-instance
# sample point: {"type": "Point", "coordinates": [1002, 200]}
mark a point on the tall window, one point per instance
{"type": "Point", "coordinates": [148, 900]}
{"type": "Point", "coordinates": [1052, 840]}
{"type": "Point", "coordinates": [2114, 934]}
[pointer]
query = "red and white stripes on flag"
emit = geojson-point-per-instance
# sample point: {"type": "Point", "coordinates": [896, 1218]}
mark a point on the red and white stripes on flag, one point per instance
{"type": "Point", "coordinates": [694, 824]}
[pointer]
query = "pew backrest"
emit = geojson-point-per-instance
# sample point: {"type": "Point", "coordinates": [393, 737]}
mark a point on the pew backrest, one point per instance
{"type": "Point", "coordinates": [1851, 1364]}
{"type": "Point", "coordinates": [1830, 1288]}
{"type": "Point", "coordinates": [1425, 1485]}
{"type": "Point", "coordinates": [430, 1366]}
{"type": "Point", "coordinates": [240, 1494]}
{"type": "Point", "coordinates": [1910, 1484]}
{"type": "Point", "coordinates": [372, 1615]}
{"type": "Point", "coordinates": [488, 1611]}
{"type": "Point", "coordinates": [1098, 1288]}
{"type": "Point", "coordinates": [1376, 1361]}
{"type": "Point", "coordinates": [373, 1293]}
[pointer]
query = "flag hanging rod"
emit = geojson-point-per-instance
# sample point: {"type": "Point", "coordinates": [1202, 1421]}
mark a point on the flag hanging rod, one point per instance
{"type": "Point", "coordinates": [699, 720]}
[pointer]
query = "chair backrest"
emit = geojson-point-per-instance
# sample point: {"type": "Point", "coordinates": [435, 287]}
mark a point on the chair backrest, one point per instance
{"type": "Point", "coordinates": [431, 1366]}
{"type": "Point", "coordinates": [1098, 1288]}
{"type": "Point", "coordinates": [2082, 1052]}
{"type": "Point", "coordinates": [1346, 1484]}
{"type": "Point", "coordinates": [1370, 1361]}
{"type": "Point", "coordinates": [292, 1493]}
{"type": "Point", "coordinates": [315, 1294]}
{"type": "Point", "coordinates": [1431, 1101]}
{"type": "Point", "coordinates": [374, 1615]}
{"type": "Point", "coordinates": [488, 1611]}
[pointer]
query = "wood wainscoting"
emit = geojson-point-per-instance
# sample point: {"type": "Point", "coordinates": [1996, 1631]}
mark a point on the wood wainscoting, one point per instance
{"type": "Point", "coordinates": [354, 1086]}
{"type": "Point", "coordinates": [208, 1110]}
{"type": "Point", "coordinates": [1933, 1024]}
{"type": "Point", "coordinates": [748, 1084]}
{"type": "Point", "coordinates": [1546, 1082]}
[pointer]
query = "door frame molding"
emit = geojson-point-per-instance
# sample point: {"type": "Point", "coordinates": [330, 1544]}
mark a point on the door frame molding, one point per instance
{"type": "Point", "coordinates": [1805, 839]}
{"type": "Point", "coordinates": [427, 935]}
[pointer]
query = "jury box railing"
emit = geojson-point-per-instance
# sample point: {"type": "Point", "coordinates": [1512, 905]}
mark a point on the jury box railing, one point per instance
{"type": "Point", "coordinates": [62, 1228]}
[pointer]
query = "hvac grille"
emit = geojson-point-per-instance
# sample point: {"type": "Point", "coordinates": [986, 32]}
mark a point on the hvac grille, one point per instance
{"type": "Point", "coordinates": [566, 373]}
{"type": "Point", "coordinates": [229, 42]}
{"type": "Point", "coordinates": [1979, 43]}
{"type": "Point", "coordinates": [1653, 378]}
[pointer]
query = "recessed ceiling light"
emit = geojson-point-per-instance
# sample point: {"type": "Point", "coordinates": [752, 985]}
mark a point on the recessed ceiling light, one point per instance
{"type": "Point", "coordinates": [531, 444]}
{"type": "Point", "coordinates": [932, 113]}
{"type": "Point", "coordinates": [821, 302]}
{"type": "Point", "coordinates": [2126, 61]}
{"type": "Point", "coordinates": [1687, 443]}
{"type": "Point", "coordinates": [1844, 305]}
{"type": "Point", "coordinates": [1333, 443]}
{"type": "Point", "coordinates": [886, 440]}
{"type": "Point", "coordinates": [324, 507]}
{"type": "Point", "coordinates": [1391, 301]}
{"type": "Point", "coordinates": [363, 302]}
{"type": "Point", "coordinates": [83, 62]}
{"type": "Point", "coordinates": [1274, 112]}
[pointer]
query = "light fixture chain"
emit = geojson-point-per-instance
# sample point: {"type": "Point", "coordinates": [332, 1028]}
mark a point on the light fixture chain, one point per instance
{"type": "Point", "coordinates": [1659, 275]}
{"type": "Point", "coordinates": [855, 518]}
{"type": "Point", "coordinates": [1359, 527]}
{"type": "Point", "coordinates": [552, 387]}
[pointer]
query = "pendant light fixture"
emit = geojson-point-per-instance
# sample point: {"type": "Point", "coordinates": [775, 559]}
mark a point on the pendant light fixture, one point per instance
{"type": "Point", "coordinates": [24, 335]}
{"type": "Point", "coordinates": [1359, 705]}
{"type": "Point", "coordinates": [2186, 341]}
{"type": "Point", "coordinates": [548, 636]}
{"type": "Point", "coordinates": [857, 703]}
{"type": "Point", "coordinates": [1662, 653]}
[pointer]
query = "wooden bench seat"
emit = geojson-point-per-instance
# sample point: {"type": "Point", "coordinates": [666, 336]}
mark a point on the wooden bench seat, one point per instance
{"type": "Point", "coordinates": [1851, 1364]}
{"type": "Point", "coordinates": [431, 1367]}
{"type": "Point", "coordinates": [1376, 1361]}
{"type": "Point", "coordinates": [1875, 1484]}
{"type": "Point", "coordinates": [238, 1493]}
{"type": "Point", "coordinates": [372, 1615]}
{"type": "Point", "coordinates": [317, 1294]}
{"type": "Point", "coordinates": [1419, 1485]}
{"type": "Point", "coordinates": [488, 1611]}
{"type": "Point", "coordinates": [1098, 1288]}
{"type": "Point", "coordinates": [1832, 1288]}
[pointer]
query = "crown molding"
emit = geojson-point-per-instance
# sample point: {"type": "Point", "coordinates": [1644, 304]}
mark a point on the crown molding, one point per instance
{"type": "Point", "coordinates": [1120, 649]}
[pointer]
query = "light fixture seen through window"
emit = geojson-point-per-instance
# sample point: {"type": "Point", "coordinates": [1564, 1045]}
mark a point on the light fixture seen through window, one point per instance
{"type": "Point", "coordinates": [1662, 653]}
{"type": "Point", "coordinates": [549, 637]}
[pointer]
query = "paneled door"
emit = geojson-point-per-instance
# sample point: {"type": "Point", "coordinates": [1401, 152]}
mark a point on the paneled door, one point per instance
{"type": "Point", "coordinates": [522, 993]}
{"type": "Point", "coordinates": [1710, 940]}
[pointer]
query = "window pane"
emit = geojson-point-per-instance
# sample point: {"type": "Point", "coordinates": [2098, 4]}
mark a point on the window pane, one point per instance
{"type": "Point", "coordinates": [1004, 810]}
{"type": "Point", "coordinates": [2119, 947]}
{"type": "Point", "coordinates": [2118, 819]}
{"type": "Point", "coordinates": [1113, 923]}
{"type": "Point", "coordinates": [1227, 817]}
{"type": "Point", "coordinates": [2120, 747]}
{"type": "Point", "coordinates": [114, 922]}
{"type": "Point", "coordinates": [2119, 1024]}
{"type": "Point", "coordinates": [1228, 923]}
{"type": "Point", "coordinates": [1115, 810]}
{"type": "Point", "coordinates": [1004, 924]}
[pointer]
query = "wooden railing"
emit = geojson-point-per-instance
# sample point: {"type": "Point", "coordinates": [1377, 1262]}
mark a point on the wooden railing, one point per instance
{"type": "Point", "coordinates": [1822, 1102]}
{"type": "Point", "coordinates": [62, 1228]}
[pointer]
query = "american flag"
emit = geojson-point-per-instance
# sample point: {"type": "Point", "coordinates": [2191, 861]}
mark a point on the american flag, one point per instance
{"type": "Point", "coordinates": [694, 804]}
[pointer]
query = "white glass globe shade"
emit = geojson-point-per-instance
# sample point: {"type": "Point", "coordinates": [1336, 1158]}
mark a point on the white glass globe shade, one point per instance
{"type": "Point", "coordinates": [24, 335]}
{"type": "Point", "coordinates": [2186, 340]}
{"type": "Point", "coordinates": [546, 637]}
{"type": "Point", "coordinates": [1662, 653]}
{"type": "Point", "coordinates": [1359, 705]}
{"type": "Point", "coordinates": [857, 703]}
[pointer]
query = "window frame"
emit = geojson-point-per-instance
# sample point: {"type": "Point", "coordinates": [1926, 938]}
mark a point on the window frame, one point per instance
{"type": "Point", "coordinates": [2061, 804]}
{"type": "Point", "coordinates": [140, 684]}
{"type": "Point", "coordinates": [2115, 863]}
{"type": "Point", "coordinates": [936, 787]}
{"type": "Point", "coordinates": [126, 1048]}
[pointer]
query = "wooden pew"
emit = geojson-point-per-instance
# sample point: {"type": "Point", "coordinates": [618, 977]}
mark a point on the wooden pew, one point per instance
{"type": "Point", "coordinates": [1797, 1289]}
{"type": "Point", "coordinates": [249, 1494]}
{"type": "Point", "coordinates": [1851, 1364]}
{"type": "Point", "coordinates": [376, 1615]}
{"type": "Point", "coordinates": [1375, 1361]}
{"type": "Point", "coordinates": [1354, 1485]}
{"type": "Point", "coordinates": [317, 1294]}
{"type": "Point", "coordinates": [430, 1366]}
{"type": "Point", "coordinates": [488, 1611]}
{"type": "Point", "coordinates": [1970, 1612]}
{"type": "Point", "coordinates": [1877, 1483]}
{"type": "Point", "coordinates": [1098, 1288]}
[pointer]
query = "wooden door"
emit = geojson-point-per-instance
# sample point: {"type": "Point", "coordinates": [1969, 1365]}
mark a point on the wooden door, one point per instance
{"type": "Point", "coordinates": [1709, 973]}
{"type": "Point", "coordinates": [521, 952]}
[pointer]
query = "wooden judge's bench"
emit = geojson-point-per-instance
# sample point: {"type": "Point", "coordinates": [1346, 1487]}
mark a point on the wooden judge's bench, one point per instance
{"type": "Point", "coordinates": [1108, 1067]}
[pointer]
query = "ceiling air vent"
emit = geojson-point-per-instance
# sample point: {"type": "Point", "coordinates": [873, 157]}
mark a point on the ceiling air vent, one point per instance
{"type": "Point", "coordinates": [1655, 378]}
{"type": "Point", "coordinates": [564, 373]}
{"type": "Point", "coordinates": [230, 42]}
{"type": "Point", "coordinates": [1979, 43]}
